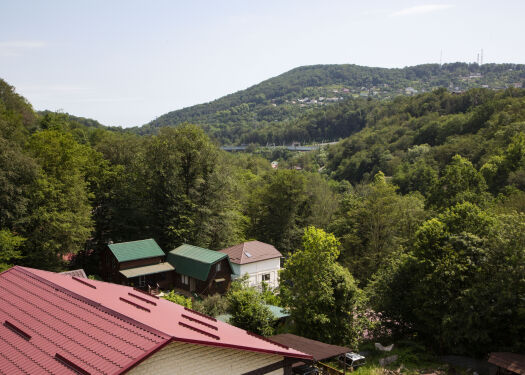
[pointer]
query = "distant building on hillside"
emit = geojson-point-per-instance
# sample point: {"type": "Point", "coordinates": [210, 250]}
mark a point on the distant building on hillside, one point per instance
{"type": "Point", "coordinates": [261, 261]}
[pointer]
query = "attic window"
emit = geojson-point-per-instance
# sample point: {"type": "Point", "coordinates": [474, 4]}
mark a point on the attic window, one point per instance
{"type": "Point", "coordinates": [248, 254]}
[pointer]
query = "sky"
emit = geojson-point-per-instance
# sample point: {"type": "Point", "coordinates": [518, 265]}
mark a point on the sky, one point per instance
{"type": "Point", "coordinates": [124, 63]}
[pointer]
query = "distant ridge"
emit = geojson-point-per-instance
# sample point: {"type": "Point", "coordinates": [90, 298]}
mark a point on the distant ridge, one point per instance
{"type": "Point", "coordinates": [303, 89]}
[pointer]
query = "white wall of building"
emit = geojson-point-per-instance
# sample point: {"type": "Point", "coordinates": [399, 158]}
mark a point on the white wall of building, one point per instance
{"type": "Point", "coordinates": [180, 358]}
{"type": "Point", "coordinates": [257, 271]}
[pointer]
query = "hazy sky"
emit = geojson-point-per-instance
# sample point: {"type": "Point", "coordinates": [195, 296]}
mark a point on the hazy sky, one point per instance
{"type": "Point", "coordinates": [127, 62]}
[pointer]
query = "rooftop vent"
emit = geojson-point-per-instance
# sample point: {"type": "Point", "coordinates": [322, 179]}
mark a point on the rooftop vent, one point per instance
{"type": "Point", "coordinates": [199, 322]}
{"type": "Point", "coordinates": [142, 299]}
{"type": "Point", "coordinates": [73, 366]}
{"type": "Point", "coordinates": [200, 314]}
{"type": "Point", "coordinates": [248, 254]}
{"type": "Point", "coordinates": [17, 330]}
{"type": "Point", "coordinates": [84, 282]}
{"type": "Point", "coordinates": [199, 331]}
{"type": "Point", "coordinates": [134, 304]}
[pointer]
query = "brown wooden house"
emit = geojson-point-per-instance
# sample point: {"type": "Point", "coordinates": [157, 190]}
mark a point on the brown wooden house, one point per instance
{"type": "Point", "coordinates": [200, 270]}
{"type": "Point", "coordinates": [141, 264]}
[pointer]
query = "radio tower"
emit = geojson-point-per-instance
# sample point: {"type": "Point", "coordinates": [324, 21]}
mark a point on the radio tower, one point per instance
{"type": "Point", "coordinates": [481, 56]}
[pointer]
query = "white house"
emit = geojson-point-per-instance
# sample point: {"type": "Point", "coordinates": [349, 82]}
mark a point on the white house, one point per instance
{"type": "Point", "coordinates": [261, 261]}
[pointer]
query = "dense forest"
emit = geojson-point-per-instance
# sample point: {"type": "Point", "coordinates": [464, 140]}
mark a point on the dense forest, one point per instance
{"type": "Point", "coordinates": [277, 110]}
{"type": "Point", "coordinates": [413, 225]}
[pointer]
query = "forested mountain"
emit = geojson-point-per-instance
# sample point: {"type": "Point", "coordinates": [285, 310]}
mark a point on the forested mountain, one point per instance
{"type": "Point", "coordinates": [418, 214]}
{"type": "Point", "coordinates": [264, 112]}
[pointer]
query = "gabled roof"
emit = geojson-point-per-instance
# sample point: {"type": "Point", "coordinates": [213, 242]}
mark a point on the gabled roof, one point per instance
{"type": "Point", "coordinates": [252, 251]}
{"type": "Point", "coordinates": [194, 261]}
{"type": "Point", "coordinates": [142, 249]}
{"type": "Point", "coordinates": [51, 322]}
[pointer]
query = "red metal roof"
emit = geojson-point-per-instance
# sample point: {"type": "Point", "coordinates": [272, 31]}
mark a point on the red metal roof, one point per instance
{"type": "Point", "coordinates": [50, 323]}
{"type": "Point", "coordinates": [252, 251]}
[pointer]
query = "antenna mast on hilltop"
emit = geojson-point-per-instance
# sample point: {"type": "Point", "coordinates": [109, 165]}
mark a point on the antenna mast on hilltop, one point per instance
{"type": "Point", "coordinates": [481, 56]}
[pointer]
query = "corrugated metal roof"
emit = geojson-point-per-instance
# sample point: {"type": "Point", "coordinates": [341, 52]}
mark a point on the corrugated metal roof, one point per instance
{"type": "Point", "coordinates": [95, 339]}
{"type": "Point", "coordinates": [194, 261]}
{"type": "Point", "coordinates": [147, 270]}
{"type": "Point", "coordinates": [48, 319]}
{"type": "Point", "coordinates": [126, 251]}
{"type": "Point", "coordinates": [252, 251]}
{"type": "Point", "coordinates": [509, 361]}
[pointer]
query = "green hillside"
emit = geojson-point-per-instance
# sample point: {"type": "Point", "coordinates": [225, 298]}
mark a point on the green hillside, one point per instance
{"type": "Point", "coordinates": [259, 113]}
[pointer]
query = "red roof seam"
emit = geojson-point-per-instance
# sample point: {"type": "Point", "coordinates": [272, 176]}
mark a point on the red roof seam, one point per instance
{"type": "Point", "coordinates": [89, 335]}
{"type": "Point", "coordinates": [103, 311]}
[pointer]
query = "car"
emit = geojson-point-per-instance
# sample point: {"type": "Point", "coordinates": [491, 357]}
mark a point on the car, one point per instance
{"type": "Point", "coordinates": [352, 360]}
{"type": "Point", "coordinates": [305, 370]}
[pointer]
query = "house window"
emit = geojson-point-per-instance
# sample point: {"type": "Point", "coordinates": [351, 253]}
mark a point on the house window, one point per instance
{"type": "Point", "coordinates": [218, 267]}
{"type": "Point", "coordinates": [142, 281]}
{"type": "Point", "coordinates": [266, 277]}
{"type": "Point", "coordinates": [185, 279]}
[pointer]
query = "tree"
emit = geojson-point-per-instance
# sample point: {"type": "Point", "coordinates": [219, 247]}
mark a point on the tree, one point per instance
{"type": "Point", "coordinates": [247, 309]}
{"type": "Point", "coordinates": [499, 167]}
{"type": "Point", "coordinates": [178, 299]}
{"type": "Point", "coordinates": [462, 287]}
{"type": "Point", "coordinates": [9, 248]}
{"type": "Point", "coordinates": [60, 220]}
{"type": "Point", "coordinates": [460, 182]}
{"type": "Point", "coordinates": [18, 174]}
{"type": "Point", "coordinates": [214, 305]}
{"type": "Point", "coordinates": [190, 190]}
{"type": "Point", "coordinates": [373, 222]}
{"type": "Point", "coordinates": [322, 296]}
{"type": "Point", "coordinates": [278, 209]}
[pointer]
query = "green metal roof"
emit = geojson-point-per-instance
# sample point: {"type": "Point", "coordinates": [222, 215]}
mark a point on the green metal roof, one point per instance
{"type": "Point", "coordinates": [147, 270]}
{"type": "Point", "coordinates": [278, 313]}
{"type": "Point", "coordinates": [126, 251]}
{"type": "Point", "coordinates": [194, 261]}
